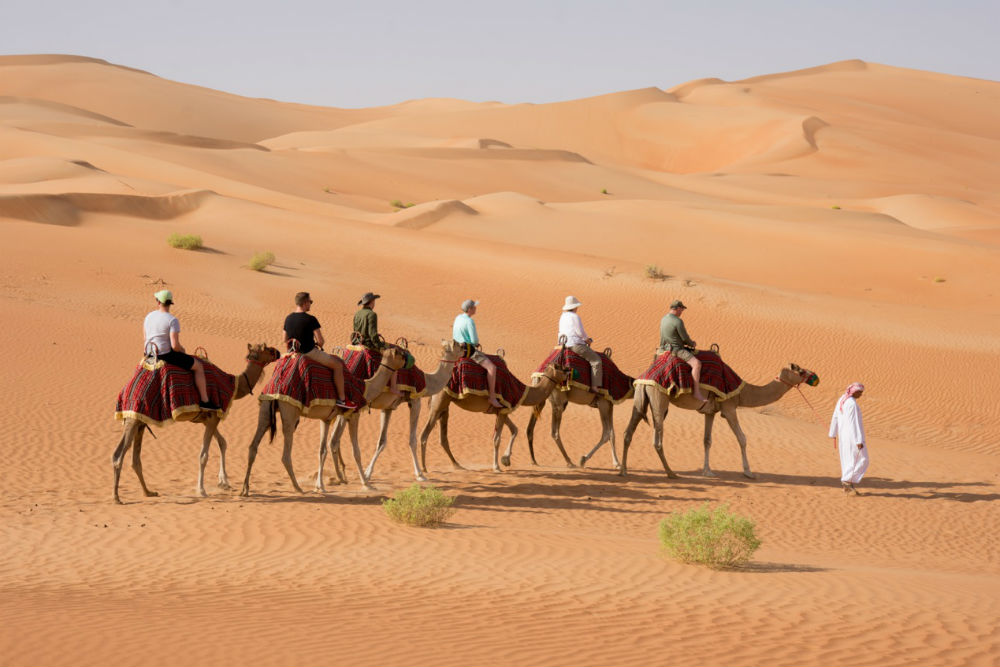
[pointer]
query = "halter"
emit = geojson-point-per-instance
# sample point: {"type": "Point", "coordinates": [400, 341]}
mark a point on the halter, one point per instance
{"type": "Point", "coordinates": [798, 388]}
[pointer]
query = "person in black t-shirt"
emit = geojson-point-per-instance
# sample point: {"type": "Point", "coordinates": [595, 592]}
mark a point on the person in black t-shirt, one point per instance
{"type": "Point", "coordinates": [303, 335]}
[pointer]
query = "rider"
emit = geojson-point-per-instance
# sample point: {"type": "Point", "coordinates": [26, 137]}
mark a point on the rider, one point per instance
{"type": "Point", "coordinates": [163, 332]}
{"type": "Point", "coordinates": [304, 328]}
{"type": "Point", "coordinates": [571, 326]}
{"type": "Point", "coordinates": [464, 332]}
{"type": "Point", "coordinates": [366, 328]}
{"type": "Point", "coordinates": [674, 338]}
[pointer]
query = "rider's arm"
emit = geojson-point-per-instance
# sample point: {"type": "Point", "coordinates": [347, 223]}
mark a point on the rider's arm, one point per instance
{"type": "Point", "coordinates": [318, 337]}
{"type": "Point", "coordinates": [175, 342]}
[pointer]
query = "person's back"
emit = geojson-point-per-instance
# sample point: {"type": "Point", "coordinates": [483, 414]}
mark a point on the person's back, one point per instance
{"type": "Point", "coordinates": [366, 322]}
{"type": "Point", "coordinates": [301, 327]}
{"type": "Point", "coordinates": [673, 334]}
{"type": "Point", "coordinates": [157, 327]}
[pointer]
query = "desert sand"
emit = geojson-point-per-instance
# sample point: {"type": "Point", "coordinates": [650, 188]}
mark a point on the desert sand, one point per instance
{"type": "Point", "coordinates": [845, 218]}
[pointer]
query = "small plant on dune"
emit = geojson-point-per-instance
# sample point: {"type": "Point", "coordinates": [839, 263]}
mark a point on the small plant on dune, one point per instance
{"type": "Point", "coordinates": [653, 272]}
{"type": "Point", "coordinates": [939, 279]}
{"type": "Point", "coordinates": [261, 260]}
{"type": "Point", "coordinates": [835, 207]}
{"type": "Point", "coordinates": [716, 538]}
{"type": "Point", "coordinates": [329, 191]}
{"type": "Point", "coordinates": [398, 204]}
{"type": "Point", "coordinates": [419, 506]}
{"type": "Point", "coordinates": [184, 241]}
{"type": "Point", "coordinates": [604, 191]}
{"type": "Point", "coordinates": [610, 272]}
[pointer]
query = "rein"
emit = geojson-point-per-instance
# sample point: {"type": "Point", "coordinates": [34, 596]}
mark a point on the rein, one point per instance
{"type": "Point", "coordinates": [799, 389]}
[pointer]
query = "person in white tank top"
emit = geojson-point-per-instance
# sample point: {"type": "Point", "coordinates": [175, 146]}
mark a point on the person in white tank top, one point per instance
{"type": "Point", "coordinates": [162, 331]}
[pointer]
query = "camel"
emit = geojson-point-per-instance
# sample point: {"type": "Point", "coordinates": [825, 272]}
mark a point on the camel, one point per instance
{"type": "Point", "coordinates": [386, 402]}
{"type": "Point", "coordinates": [535, 394]}
{"type": "Point", "coordinates": [560, 400]}
{"type": "Point", "coordinates": [751, 396]}
{"type": "Point", "coordinates": [258, 357]}
{"type": "Point", "coordinates": [392, 360]}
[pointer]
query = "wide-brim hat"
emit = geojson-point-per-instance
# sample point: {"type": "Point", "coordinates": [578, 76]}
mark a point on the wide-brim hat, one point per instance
{"type": "Point", "coordinates": [165, 296]}
{"type": "Point", "coordinates": [368, 298]}
{"type": "Point", "coordinates": [571, 303]}
{"type": "Point", "coordinates": [677, 303]}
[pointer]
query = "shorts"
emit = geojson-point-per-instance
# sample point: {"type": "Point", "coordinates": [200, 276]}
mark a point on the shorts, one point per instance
{"type": "Point", "coordinates": [683, 354]}
{"type": "Point", "coordinates": [175, 358]}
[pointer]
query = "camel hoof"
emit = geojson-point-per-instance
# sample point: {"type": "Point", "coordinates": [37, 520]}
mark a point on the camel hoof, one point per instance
{"type": "Point", "coordinates": [583, 461]}
{"type": "Point", "coordinates": [505, 460]}
{"type": "Point", "coordinates": [368, 487]}
{"type": "Point", "coordinates": [708, 473]}
{"type": "Point", "coordinates": [245, 492]}
{"type": "Point", "coordinates": [672, 475]}
{"type": "Point", "coordinates": [225, 486]}
{"type": "Point", "coordinates": [622, 473]}
{"type": "Point", "coordinates": [421, 478]}
{"type": "Point", "coordinates": [118, 501]}
{"type": "Point", "coordinates": [201, 492]}
{"type": "Point", "coordinates": [749, 475]}
{"type": "Point", "coordinates": [152, 494]}
{"type": "Point", "coordinates": [570, 464]}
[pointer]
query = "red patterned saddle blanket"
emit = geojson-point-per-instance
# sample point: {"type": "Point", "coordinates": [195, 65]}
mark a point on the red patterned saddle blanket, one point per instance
{"type": "Point", "coordinates": [614, 383]}
{"type": "Point", "coordinates": [162, 392]}
{"type": "Point", "coordinates": [673, 376]}
{"type": "Point", "coordinates": [308, 384]}
{"type": "Point", "coordinates": [363, 362]}
{"type": "Point", "coordinates": [469, 378]}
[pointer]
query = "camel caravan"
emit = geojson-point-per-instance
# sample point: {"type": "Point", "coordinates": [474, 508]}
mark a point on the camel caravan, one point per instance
{"type": "Point", "coordinates": [169, 385]}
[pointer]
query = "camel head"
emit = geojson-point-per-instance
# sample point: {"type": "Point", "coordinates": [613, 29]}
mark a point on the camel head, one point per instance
{"type": "Point", "coordinates": [557, 373]}
{"type": "Point", "coordinates": [262, 354]}
{"type": "Point", "coordinates": [795, 375]}
{"type": "Point", "coordinates": [450, 350]}
{"type": "Point", "coordinates": [394, 357]}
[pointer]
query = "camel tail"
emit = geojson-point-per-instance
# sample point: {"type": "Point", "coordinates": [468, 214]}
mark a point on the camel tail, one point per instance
{"type": "Point", "coordinates": [641, 405]}
{"type": "Point", "coordinates": [536, 410]}
{"type": "Point", "coordinates": [272, 417]}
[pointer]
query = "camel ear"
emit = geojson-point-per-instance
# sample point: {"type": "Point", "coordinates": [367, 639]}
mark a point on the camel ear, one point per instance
{"type": "Point", "coordinates": [794, 367]}
{"type": "Point", "coordinates": [249, 347]}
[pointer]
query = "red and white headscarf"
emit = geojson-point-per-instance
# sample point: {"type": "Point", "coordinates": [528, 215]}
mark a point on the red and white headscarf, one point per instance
{"type": "Point", "coordinates": [851, 388]}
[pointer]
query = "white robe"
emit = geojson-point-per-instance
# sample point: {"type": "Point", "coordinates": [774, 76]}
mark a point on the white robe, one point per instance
{"type": "Point", "coordinates": [847, 427]}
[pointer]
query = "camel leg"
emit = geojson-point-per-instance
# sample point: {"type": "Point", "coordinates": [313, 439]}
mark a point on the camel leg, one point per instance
{"type": "Point", "coordinates": [265, 415]}
{"type": "Point", "coordinates": [338, 459]}
{"type": "Point", "coordinates": [734, 424]}
{"type": "Point", "coordinates": [536, 412]}
{"type": "Point", "coordinates": [497, 432]}
{"type": "Point", "coordinates": [558, 410]}
{"type": "Point", "coordinates": [352, 425]}
{"type": "Point", "coordinates": [382, 437]}
{"type": "Point", "coordinates": [443, 419]}
{"type": "Point", "coordinates": [626, 440]}
{"type": "Point", "coordinates": [414, 418]}
{"type": "Point", "coordinates": [658, 417]}
{"type": "Point", "coordinates": [605, 409]}
{"type": "Point", "coordinates": [288, 425]}
{"type": "Point", "coordinates": [223, 477]}
{"type": "Point", "coordinates": [709, 420]}
{"type": "Point", "coordinates": [124, 444]}
{"type": "Point", "coordinates": [137, 463]}
{"type": "Point", "coordinates": [324, 431]}
{"type": "Point", "coordinates": [211, 425]}
{"type": "Point", "coordinates": [437, 405]}
{"type": "Point", "coordinates": [505, 459]}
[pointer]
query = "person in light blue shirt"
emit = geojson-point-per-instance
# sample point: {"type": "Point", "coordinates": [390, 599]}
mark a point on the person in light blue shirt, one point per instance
{"type": "Point", "coordinates": [464, 331]}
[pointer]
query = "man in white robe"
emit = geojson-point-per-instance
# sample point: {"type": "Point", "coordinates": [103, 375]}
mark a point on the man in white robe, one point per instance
{"type": "Point", "coordinates": [849, 430]}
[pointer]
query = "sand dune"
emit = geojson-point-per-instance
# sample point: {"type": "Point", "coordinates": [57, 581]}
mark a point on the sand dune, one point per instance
{"type": "Point", "coordinates": [843, 217]}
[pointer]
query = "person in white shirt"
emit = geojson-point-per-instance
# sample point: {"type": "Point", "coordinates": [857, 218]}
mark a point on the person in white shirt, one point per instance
{"type": "Point", "coordinates": [849, 430]}
{"type": "Point", "coordinates": [163, 335]}
{"type": "Point", "coordinates": [571, 326]}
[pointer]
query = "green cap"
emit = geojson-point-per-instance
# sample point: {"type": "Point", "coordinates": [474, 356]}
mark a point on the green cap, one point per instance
{"type": "Point", "coordinates": [165, 296]}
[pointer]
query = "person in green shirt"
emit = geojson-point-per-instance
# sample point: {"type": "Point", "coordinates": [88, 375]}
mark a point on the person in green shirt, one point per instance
{"type": "Point", "coordinates": [674, 338]}
{"type": "Point", "coordinates": [366, 330]}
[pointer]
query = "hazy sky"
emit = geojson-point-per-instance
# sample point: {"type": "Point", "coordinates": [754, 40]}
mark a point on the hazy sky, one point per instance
{"type": "Point", "coordinates": [356, 54]}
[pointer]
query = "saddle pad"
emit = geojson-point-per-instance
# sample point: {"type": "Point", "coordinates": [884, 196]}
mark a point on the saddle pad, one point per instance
{"type": "Point", "coordinates": [159, 393]}
{"type": "Point", "coordinates": [307, 384]}
{"type": "Point", "coordinates": [672, 376]}
{"type": "Point", "coordinates": [615, 384]}
{"type": "Point", "coordinates": [364, 362]}
{"type": "Point", "coordinates": [469, 378]}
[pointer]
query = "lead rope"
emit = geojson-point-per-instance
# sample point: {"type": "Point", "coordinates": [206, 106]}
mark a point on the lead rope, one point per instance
{"type": "Point", "coordinates": [799, 389]}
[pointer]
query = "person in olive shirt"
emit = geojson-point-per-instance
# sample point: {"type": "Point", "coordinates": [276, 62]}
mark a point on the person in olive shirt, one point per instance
{"type": "Point", "coordinates": [674, 338]}
{"type": "Point", "coordinates": [304, 329]}
{"type": "Point", "coordinates": [366, 328]}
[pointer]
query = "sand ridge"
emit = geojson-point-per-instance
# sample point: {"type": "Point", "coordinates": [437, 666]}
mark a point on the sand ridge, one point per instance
{"type": "Point", "coordinates": [844, 218]}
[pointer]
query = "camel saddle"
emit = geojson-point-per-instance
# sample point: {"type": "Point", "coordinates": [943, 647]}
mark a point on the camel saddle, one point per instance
{"type": "Point", "coordinates": [364, 362]}
{"type": "Point", "coordinates": [672, 376]}
{"type": "Point", "coordinates": [160, 392]}
{"type": "Point", "coordinates": [469, 378]}
{"type": "Point", "coordinates": [308, 385]}
{"type": "Point", "coordinates": [615, 385]}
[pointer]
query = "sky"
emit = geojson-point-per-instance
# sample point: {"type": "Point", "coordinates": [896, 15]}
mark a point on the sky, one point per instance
{"type": "Point", "coordinates": [360, 54]}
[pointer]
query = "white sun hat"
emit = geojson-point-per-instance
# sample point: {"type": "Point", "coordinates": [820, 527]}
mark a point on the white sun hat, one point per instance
{"type": "Point", "coordinates": [571, 303]}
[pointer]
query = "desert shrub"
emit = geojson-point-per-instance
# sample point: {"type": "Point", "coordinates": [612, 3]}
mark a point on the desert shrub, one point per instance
{"type": "Point", "coordinates": [653, 272]}
{"type": "Point", "coordinates": [184, 241]}
{"type": "Point", "coordinates": [835, 207]}
{"type": "Point", "coordinates": [419, 506]}
{"type": "Point", "coordinates": [261, 260]}
{"type": "Point", "coordinates": [939, 279]}
{"type": "Point", "coordinates": [716, 538]}
{"type": "Point", "coordinates": [604, 191]}
{"type": "Point", "coordinates": [398, 204]}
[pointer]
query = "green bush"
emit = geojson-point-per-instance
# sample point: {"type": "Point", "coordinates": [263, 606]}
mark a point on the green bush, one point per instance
{"type": "Point", "coordinates": [604, 191]}
{"type": "Point", "coordinates": [184, 241]}
{"type": "Point", "coordinates": [419, 506]}
{"type": "Point", "coordinates": [716, 538]}
{"type": "Point", "coordinates": [261, 260]}
{"type": "Point", "coordinates": [653, 272]}
{"type": "Point", "coordinates": [835, 207]}
{"type": "Point", "coordinates": [398, 204]}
